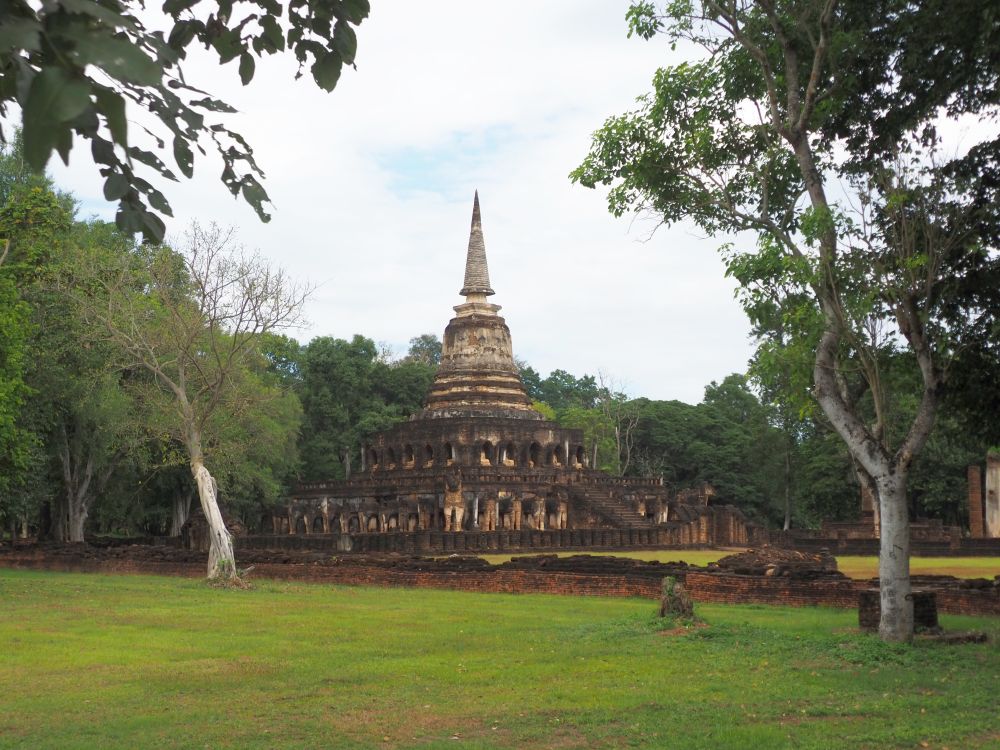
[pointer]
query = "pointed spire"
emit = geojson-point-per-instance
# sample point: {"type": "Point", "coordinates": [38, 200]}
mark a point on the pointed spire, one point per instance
{"type": "Point", "coordinates": [477, 274]}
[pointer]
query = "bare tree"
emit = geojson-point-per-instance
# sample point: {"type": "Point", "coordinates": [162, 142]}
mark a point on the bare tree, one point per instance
{"type": "Point", "coordinates": [191, 320]}
{"type": "Point", "coordinates": [622, 415]}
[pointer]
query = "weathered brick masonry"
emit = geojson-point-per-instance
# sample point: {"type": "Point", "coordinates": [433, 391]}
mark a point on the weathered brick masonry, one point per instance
{"type": "Point", "coordinates": [576, 576]}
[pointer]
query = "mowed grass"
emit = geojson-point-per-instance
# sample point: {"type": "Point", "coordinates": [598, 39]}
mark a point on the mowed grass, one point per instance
{"type": "Point", "coordinates": [860, 567]}
{"type": "Point", "coordinates": [139, 661]}
{"type": "Point", "coordinates": [960, 567]}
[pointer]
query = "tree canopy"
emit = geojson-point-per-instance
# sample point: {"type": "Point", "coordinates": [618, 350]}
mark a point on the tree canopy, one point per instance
{"type": "Point", "coordinates": [79, 69]}
{"type": "Point", "coordinates": [787, 98]}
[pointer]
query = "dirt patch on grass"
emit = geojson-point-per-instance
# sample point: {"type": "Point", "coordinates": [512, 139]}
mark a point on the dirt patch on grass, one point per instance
{"type": "Point", "coordinates": [682, 629]}
{"type": "Point", "coordinates": [989, 739]}
{"type": "Point", "coordinates": [793, 720]}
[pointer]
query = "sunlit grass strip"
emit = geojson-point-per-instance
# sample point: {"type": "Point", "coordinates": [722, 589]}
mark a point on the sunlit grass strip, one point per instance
{"type": "Point", "coordinates": [855, 566]}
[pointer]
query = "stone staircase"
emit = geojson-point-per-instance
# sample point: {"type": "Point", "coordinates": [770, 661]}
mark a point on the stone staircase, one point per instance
{"type": "Point", "coordinates": [611, 509]}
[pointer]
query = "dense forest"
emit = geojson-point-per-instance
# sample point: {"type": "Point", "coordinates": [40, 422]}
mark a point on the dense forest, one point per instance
{"type": "Point", "coordinates": [92, 443]}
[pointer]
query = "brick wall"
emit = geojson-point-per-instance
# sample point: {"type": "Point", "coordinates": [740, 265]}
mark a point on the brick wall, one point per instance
{"type": "Point", "coordinates": [703, 587]}
{"type": "Point", "coordinates": [735, 589]}
{"type": "Point", "coordinates": [977, 529]}
{"type": "Point", "coordinates": [443, 542]}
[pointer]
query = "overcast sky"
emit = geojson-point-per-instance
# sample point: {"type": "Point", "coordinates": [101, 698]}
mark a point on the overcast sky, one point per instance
{"type": "Point", "coordinates": [372, 188]}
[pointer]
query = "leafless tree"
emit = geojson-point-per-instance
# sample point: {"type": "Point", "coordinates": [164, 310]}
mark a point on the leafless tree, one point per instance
{"type": "Point", "coordinates": [191, 320]}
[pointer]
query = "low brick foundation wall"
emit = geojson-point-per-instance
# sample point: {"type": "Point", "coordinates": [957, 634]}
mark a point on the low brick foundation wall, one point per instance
{"type": "Point", "coordinates": [495, 582]}
{"type": "Point", "coordinates": [485, 542]}
{"type": "Point", "coordinates": [644, 580]}
{"type": "Point", "coordinates": [471, 542]}
{"type": "Point", "coordinates": [737, 589]}
{"type": "Point", "coordinates": [490, 581]}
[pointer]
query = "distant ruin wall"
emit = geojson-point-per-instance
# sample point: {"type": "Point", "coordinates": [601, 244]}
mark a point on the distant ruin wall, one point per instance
{"type": "Point", "coordinates": [977, 528]}
{"type": "Point", "coordinates": [992, 497]}
{"type": "Point", "coordinates": [443, 542]}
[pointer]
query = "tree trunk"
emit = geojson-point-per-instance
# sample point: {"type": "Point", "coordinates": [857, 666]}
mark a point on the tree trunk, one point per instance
{"type": "Point", "coordinates": [221, 559]}
{"type": "Point", "coordinates": [45, 530]}
{"type": "Point", "coordinates": [788, 489]}
{"type": "Point", "coordinates": [77, 519]}
{"type": "Point", "coordinates": [180, 510]}
{"type": "Point", "coordinates": [896, 623]}
{"type": "Point", "coordinates": [59, 528]}
{"type": "Point", "coordinates": [76, 484]}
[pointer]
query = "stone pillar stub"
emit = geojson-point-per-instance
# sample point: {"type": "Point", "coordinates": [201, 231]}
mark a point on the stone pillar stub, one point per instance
{"type": "Point", "coordinates": [993, 495]}
{"type": "Point", "coordinates": [977, 529]}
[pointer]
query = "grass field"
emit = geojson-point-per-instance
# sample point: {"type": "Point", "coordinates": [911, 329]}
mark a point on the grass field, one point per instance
{"type": "Point", "coordinates": [853, 566]}
{"type": "Point", "coordinates": [140, 661]}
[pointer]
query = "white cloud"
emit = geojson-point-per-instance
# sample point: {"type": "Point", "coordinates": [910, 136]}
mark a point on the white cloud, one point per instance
{"type": "Point", "coordinates": [372, 187]}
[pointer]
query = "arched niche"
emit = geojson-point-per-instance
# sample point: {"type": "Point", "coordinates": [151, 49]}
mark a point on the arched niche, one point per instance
{"type": "Point", "coordinates": [509, 455]}
{"type": "Point", "coordinates": [534, 455]}
{"type": "Point", "coordinates": [486, 453]}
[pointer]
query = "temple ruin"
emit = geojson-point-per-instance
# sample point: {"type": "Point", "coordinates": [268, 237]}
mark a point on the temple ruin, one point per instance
{"type": "Point", "coordinates": [480, 460]}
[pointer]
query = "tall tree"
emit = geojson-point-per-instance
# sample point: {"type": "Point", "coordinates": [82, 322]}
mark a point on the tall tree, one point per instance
{"type": "Point", "coordinates": [192, 321]}
{"type": "Point", "coordinates": [74, 67]}
{"type": "Point", "coordinates": [349, 392]}
{"type": "Point", "coordinates": [336, 394]}
{"type": "Point", "coordinates": [93, 427]}
{"type": "Point", "coordinates": [622, 415]}
{"type": "Point", "coordinates": [425, 348]}
{"type": "Point", "coordinates": [746, 139]}
{"type": "Point", "coordinates": [34, 227]}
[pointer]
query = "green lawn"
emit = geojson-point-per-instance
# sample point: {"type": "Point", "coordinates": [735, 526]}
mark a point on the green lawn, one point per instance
{"type": "Point", "coordinates": [961, 567]}
{"type": "Point", "coordinates": [142, 661]}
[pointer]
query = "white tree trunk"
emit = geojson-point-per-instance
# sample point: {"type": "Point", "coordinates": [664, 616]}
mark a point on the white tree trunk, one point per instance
{"type": "Point", "coordinates": [77, 519]}
{"type": "Point", "coordinates": [76, 483]}
{"type": "Point", "coordinates": [889, 478]}
{"type": "Point", "coordinates": [221, 559]}
{"type": "Point", "coordinates": [180, 510]}
{"type": "Point", "coordinates": [896, 622]}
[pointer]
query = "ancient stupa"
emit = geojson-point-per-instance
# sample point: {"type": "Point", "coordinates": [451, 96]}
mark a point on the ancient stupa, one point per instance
{"type": "Point", "coordinates": [477, 376]}
{"type": "Point", "coordinates": [478, 457]}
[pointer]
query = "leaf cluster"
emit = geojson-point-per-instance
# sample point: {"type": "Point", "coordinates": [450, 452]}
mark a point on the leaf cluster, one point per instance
{"type": "Point", "coordinates": [73, 67]}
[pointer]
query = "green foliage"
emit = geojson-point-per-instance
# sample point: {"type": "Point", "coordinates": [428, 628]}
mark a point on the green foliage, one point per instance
{"type": "Point", "coordinates": [530, 378]}
{"type": "Point", "coordinates": [561, 390]}
{"type": "Point", "coordinates": [787, 100]}
{"type": "Point", "coordinates": [15, 441]}
{"type": "Point", "coordinates": [34, 226]}
{"type": "Point", "coordinates": [347, 395]}
{"type": "Point", "coordinates": [425, 349]}
{"type": "Point", "coordinates": [75, 66]}
{"type": "Point", "coordinates": [546, 411]}
{"type": "Point", "coordinates": [726, 440]}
